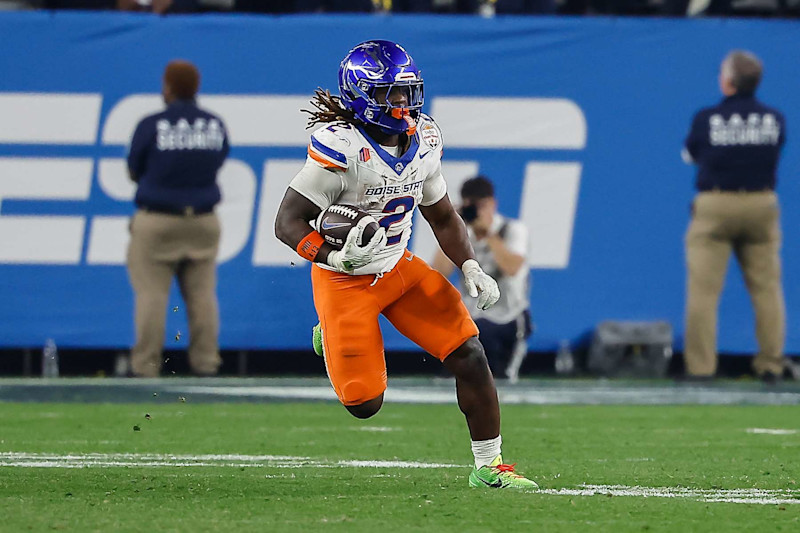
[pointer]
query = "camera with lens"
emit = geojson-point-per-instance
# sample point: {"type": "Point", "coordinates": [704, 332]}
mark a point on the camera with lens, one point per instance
{"type": "Point", "coordinates": [469, 213]}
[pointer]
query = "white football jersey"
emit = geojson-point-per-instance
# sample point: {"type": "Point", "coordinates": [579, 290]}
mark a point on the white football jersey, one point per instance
{"type": "Point", "coordinates": [345, 166]}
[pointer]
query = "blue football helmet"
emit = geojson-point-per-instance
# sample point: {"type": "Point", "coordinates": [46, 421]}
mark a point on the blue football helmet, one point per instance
{"type": "Point", "coordinates": [375, 64]}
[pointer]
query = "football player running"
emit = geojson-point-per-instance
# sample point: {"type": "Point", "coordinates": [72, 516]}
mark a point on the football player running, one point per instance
{"type": "Point", "coordinates": [375, 149]}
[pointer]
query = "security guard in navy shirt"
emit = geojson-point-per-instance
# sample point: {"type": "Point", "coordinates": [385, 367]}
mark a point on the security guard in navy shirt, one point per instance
{"type": "Point", "coordinates": [736, 146]}
{"type": "Point", "coordinates": [174, 158]}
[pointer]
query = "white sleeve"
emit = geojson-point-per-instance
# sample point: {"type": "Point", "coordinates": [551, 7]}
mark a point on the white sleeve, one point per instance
{"type": "Point", "coordinates": [516, 238]}
{"type": "Point", "coordinates": [319, 185]}
{"type": "Point", "coordinates": [434, 188]}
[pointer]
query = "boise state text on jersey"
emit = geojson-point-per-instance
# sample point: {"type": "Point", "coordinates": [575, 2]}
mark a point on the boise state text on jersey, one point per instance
{"type": "Point", "coordinates": [394, 189]}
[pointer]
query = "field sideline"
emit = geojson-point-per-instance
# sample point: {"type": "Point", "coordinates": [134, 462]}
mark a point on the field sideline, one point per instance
{"type": "Point", "coordinates": [271, 465]}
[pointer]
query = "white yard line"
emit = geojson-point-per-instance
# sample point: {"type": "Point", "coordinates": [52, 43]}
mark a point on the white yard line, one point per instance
{"type": "Point", "coordinates": [104, 460]}
{"type": "Point", "coordinates": [401, 390]}
{"type": "Point", "coordinates": [768, 431]}
{"type": "Point", "coordinates": [45, 460]}
{"type": "Point", "coordinates": [508, 395]}
{"type": "Point", "coordinates": [756, 496]}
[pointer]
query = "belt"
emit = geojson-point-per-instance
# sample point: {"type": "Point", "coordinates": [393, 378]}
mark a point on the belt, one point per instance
{"type": "Point", "coordinates": [186, 211]}
{"type": "Point", "coordinates": [738, 190]}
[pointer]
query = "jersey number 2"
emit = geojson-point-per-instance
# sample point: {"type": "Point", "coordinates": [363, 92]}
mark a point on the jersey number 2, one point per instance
{"type": "Point", "coordinates": [399, 208]}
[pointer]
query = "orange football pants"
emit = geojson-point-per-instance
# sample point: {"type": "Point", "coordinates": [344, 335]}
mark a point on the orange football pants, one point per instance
{"type": "Point", "coordinates": [415, 298]}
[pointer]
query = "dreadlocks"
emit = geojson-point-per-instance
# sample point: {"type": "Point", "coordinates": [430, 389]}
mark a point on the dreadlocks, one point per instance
{"type": "Point", "coordinates": [328, 109]}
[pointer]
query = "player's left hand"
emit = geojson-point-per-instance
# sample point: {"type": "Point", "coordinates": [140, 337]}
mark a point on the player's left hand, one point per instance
{"type": "Point", "coordinates": [480, 284]}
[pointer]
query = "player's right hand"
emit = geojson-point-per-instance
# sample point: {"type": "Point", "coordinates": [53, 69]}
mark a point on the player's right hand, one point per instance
{"type": "Point", "coordinates": [353, 256]}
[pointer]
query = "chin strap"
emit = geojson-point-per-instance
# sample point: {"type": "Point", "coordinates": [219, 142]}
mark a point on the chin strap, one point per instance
{"type": "Point", "coordinates": [412, 125]}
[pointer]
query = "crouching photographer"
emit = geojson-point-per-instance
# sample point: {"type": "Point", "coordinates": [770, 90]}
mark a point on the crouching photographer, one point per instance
{"type": "Point", "coordinates": [501, 247]}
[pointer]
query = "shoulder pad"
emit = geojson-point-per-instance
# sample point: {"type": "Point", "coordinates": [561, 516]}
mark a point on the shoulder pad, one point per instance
{"type": "Point", "coordinates": [429, 131]}
{"type": "Point", "coordinates": [332, 145]}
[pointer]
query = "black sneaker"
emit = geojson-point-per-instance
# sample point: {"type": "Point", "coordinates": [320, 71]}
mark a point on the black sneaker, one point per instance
{"type": "Point", "coordinates": [770, 378]}
{"type": "Point", "coordinates": [791, 371]}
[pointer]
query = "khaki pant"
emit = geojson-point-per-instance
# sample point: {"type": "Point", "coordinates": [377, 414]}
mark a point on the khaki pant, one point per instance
{"type": "Point", "coordinates": [161, 248]}
{"type": "Point", "coordinates": [748, 225]}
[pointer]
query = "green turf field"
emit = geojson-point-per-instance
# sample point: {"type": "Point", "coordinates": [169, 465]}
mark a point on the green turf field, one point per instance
{"type": "Point", "coordinates": [312, 467]}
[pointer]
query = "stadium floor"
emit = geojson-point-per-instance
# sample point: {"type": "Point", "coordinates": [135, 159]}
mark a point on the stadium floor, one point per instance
{"type": "Point", "coordinates": [279, 454]}
{"type": "Point", "coordinates": [413, 390]}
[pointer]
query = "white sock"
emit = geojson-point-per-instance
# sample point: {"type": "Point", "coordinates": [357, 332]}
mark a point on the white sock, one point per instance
{"type": "Point", "coordinates": [486, 450]}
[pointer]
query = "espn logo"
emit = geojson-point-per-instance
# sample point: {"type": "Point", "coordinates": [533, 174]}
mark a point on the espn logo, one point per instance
{"type": "Point", "coordinates": [65, 193]}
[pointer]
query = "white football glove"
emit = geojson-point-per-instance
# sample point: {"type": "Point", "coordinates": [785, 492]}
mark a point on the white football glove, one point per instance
{"type": "Point", "coordinates": [480, 284]}
{"type": "Point", "coordinates": [353, 256]}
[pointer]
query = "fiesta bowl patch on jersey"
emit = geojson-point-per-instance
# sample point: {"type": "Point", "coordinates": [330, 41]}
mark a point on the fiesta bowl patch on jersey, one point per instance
{"type": "Point", "coordinates": [335, 222]}
{"type": "Point", "coordinates": [430, 135]}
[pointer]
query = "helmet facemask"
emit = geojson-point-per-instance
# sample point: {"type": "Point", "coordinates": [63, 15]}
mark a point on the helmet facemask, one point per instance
{"type": "Point", "coordinates": [394, 118]}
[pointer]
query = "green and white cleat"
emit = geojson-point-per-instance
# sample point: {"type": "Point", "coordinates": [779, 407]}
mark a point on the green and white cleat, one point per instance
{"type": "Point", "coordinates": [316, 340]}
{"type": "Point", "coordinates": [499, 476]}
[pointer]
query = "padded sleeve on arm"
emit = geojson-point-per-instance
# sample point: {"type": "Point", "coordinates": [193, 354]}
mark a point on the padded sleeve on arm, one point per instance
{"type": "Point", "coordinates": [319, 185]}
{"type": "Point", "coordinates": [434, 188]}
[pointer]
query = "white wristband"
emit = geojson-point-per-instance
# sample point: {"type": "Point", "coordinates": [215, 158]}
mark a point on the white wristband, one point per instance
{"type": "Point", "coordinates": [470, 265]}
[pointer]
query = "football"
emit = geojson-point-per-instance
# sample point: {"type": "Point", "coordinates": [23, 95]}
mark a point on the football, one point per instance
{"type": "Point", "coordinates": [335, 222]}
